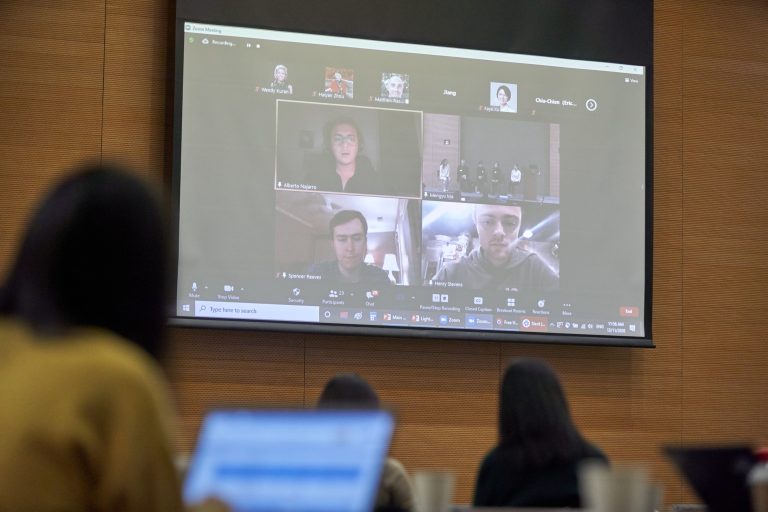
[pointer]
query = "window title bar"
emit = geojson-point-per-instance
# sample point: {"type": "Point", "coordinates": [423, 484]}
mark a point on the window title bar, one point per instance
{"type": "Point", "coordinates": [295, 37]}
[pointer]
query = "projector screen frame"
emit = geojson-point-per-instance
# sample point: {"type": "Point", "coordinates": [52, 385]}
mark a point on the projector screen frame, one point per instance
{"type": "Point", "coordinates": [612, 47]}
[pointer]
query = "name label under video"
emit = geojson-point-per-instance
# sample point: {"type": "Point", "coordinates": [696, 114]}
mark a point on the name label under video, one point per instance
{"type": "Point", "coordinates": [274, 90]}
{"type": "Point", "coordinates": [446, 284]}
{"type": "Point", "coordinates": [255, 311]}
{"type": "Point", "coordinates": [445, 196]}
{"type": "Point", "coordinates": [553, 101]}
{"type": "Point", "coordinates": [295, 186]}
{"type": "Point", "coordinates": [289, 275]}
{"type": "Point", "coordinates": [399, 101]}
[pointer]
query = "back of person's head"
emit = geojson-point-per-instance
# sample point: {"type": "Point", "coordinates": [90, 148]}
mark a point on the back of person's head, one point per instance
{"type": "Point", "coordinates": [534, 414]}
{"type": "Point", "coordinates": [93, 255]}
{"type": "Point", "coordinates": [348, 391]}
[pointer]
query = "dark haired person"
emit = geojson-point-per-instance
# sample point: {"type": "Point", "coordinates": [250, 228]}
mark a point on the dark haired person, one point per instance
{"type": "Point", "coordinates": [481, 185]}
{"type": "Point", "coordinates": [349, 237]}
{"type": "Point", "coordinates": [503, 95]}
{"type": "Point", "coordinates": [462, 175]}
{"type": "Point", "coordinates": [350, 391]}
{"type": "Point", "coordinates": [496, 179]}
{"type": "Point", "coordinates": [536, 461]}
{"type": "Point", "coordinates": [85, 418]}
{"type": "Point", "coordinates": [346, 169]}
{"type": "Point", "coordinates": [499, 263]}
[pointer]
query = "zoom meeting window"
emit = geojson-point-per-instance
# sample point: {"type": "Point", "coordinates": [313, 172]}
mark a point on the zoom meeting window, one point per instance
{"type": "Point", "coordinates": [345, 181]}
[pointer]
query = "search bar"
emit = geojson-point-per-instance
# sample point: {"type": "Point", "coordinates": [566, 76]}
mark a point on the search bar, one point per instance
{"type": "Point", "coordinates": [254, 311]}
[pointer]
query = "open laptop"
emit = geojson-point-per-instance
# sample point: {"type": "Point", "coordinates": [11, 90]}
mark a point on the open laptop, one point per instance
{"type": "Point", "coordinates": [717, 474]}
{"type": "Point", "coordinates": [292, 461]}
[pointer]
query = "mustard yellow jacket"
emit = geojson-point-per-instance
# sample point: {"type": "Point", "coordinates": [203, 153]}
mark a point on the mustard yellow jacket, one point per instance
{"type": "Point", "coordinates": [85, 425]}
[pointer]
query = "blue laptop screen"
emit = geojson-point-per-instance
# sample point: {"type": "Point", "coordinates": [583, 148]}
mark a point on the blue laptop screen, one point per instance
{"type": "Point", "coordinates": [298, 461]}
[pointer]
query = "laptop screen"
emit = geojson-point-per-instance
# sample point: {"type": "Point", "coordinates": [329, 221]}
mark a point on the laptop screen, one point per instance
{"type": "Point", "coordinates": [302, 461]}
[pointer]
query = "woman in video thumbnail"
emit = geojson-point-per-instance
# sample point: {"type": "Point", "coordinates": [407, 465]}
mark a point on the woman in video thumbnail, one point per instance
{"type": "Point", "coordinates": [346, 170]}
{"type": "Point", "coordinates": [280, 82]}
{"type": "Point", "coordinates": [503, 94]}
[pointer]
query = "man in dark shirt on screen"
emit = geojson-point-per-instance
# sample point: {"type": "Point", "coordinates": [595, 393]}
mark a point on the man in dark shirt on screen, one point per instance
{"type": "Point", "coordinates": [349, 237]}
{"type": "Point", "coordinates": [499, 263]}
{"type": "Point", "coordinates": [345, 168]}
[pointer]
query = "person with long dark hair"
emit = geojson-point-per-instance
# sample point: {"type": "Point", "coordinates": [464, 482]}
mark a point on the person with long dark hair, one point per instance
{"type": "Point", "coordinates": [536, 461]}
{"type": "Point", "coordinates": [85, 416]}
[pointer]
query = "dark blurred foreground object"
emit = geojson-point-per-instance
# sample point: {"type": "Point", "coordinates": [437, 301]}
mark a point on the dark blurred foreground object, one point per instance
{"type": "Point", "coordinates": [93, 254]}
{"type": "Point", "coordinates": [717, 474]}
{"type": "Point", "coordinates": [85, 418]}
{"type": "Point", "coordinates": [535, 463]}
{"type": "Point", "coordinates": [351, 391]}
{"type": "Point", "coordinates": [758, 481]}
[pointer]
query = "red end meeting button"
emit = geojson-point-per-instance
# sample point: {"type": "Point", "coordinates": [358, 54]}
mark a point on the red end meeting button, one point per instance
{"type": "Point", "coordinates": [632, 311]}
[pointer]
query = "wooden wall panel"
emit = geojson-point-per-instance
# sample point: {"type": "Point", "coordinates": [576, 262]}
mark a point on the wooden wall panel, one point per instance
{"type": "Point", "coordinates": [725, 274]}
{"type": "Point", "coordinates": [212, 368]}
{"type": "Point", "coordinates": [661, 408]}
{"type": "Point", "coordinates": [50, 91]}
{"type": "Point", "coordinates": [135, 94]}
{"type": "Point", "coordinates": [705, 381]}
{"type": "Point", "coordinates": [725, 239]}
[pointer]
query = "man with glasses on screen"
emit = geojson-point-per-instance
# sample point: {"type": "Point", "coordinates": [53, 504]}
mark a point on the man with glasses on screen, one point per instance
{"type": "Point", "coordinates": [499, 263]}
{"type": "Point", "coordinates": [349, 237]}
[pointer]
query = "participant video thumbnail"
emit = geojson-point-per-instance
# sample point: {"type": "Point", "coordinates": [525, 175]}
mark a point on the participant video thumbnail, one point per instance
{"type": "Point", "coordinates": [490, 160]}
{"type": "Point", "coordinates": [503, 97]}
{"type": "Point", "coordinates": [347, 239]}
{"type": "Point", "coordinates": [395, 88]}
{"type": "Point", "coordinates": [279, 83]}
{"type": "Point", "coordinates": [509, 247]}
{"type": "Point", "coordinates": [339, 84]}
{"type": "Point", "coordinates": [360, 150]}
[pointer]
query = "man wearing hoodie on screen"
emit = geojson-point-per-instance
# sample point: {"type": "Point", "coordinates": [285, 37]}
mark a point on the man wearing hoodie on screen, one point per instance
{"type": "Point", "coordinates": [499, 263]}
